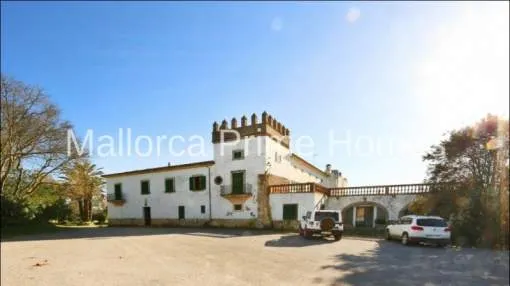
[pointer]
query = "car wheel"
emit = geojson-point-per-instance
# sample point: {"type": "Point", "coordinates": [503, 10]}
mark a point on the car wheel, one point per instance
{"type": "Point", "coordinates": [300, 230]}
{"type": "Point", "coordinates": [405, 239]}
{"type": "Point", "coordinates": [338, 237]}
{"type": "Point", "coordinates": [307, 234]}
{"type": "Point", "coordinates": [388, 236]}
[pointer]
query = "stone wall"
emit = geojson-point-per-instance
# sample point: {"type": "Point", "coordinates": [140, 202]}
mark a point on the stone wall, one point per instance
{"type": "Point", "coordinates": [263, 202]}
{"type": "Point", "coordinates": [286, 224]}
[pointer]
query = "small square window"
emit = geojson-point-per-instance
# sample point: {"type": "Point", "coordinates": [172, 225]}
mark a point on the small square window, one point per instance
{"type": "Point", "coordinates": [237, 154]}
{"type": "Point", "coordinates": [238, 207]}
{"type": "Point", "coordinates": [202, 209]}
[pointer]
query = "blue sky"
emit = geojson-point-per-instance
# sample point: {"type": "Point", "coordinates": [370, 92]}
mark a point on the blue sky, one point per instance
{"type": "Point", "coordinates": [399, 72]}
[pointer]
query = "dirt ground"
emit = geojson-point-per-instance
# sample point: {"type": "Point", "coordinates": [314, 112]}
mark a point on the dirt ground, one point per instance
{"type": "Point", "coordinates": [160, 256]}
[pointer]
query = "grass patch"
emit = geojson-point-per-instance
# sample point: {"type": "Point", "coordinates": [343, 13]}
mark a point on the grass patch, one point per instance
{"type": "Point", "coordinates": [27, 229]}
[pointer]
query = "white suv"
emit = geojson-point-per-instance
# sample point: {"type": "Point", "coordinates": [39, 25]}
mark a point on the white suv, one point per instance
{"type": "Point", "coordinates": [322, 222]}
{"type": "Point", "coordinates": [420, 229]}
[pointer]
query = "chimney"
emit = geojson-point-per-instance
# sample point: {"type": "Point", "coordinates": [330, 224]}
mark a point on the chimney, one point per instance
{"type": "Point", "coordinates": [336, 173]}
{"type": "Point", "coordinates": [233, 123]}
{"type": "Point", "coordinates": [328, 169]}
{"type": "Point", "coordinates": [254, 119]}
{"type": "Point", "coordinates": [215, 126]}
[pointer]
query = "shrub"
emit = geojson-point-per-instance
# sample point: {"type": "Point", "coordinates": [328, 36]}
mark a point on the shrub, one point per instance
{"type": "Point", "coordinates": [100, 217]}
{"type": "Point", "coordinates": [380, 221]}
{"type": "Point", "coordinates": [14, 212]}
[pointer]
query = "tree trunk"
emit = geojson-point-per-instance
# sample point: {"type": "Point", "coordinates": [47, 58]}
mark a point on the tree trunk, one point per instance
{"type": "Point", "coordinates": [80, 208]}
{"type": "Point", "coordinates": [86, 210]}
{"type": "Point", "coordinates": [90, 210]}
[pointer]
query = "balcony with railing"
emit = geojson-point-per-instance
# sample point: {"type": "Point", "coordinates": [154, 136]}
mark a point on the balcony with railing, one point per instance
{"type": "Point", "coordinates": [405, 189]}
{"type": "Point", "coordinates": [298, 188]}
{"type": "Point", "coordinates": [245, 190]}
{"type": "Point", "coordinates": [116, 199]}
{"type": "Point", "coordinates": [392, 190]}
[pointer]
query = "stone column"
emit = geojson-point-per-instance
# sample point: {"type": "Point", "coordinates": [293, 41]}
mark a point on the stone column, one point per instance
{"type": "Point", "coordinates": [354, 216]}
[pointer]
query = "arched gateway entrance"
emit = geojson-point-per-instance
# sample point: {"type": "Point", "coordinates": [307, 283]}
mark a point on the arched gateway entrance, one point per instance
{"type": "Point", "coordinates": [364, 214]}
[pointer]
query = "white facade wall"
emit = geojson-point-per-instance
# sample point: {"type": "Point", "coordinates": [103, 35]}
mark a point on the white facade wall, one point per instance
{"type": "Point", "coordinates": [305, 201]}
{"type": "Point", "coordinates": [283, 165]}
{"type": "Point", "coordinates": [163, 205]}
{"type": "Point", "coordinates": [258, 152]}
{"type": "Point", "coordinates": [253, 165]}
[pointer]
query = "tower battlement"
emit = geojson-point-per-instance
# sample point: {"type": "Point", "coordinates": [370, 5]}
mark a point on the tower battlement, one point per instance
{"type": "Point", "coordinates": [268, 126]}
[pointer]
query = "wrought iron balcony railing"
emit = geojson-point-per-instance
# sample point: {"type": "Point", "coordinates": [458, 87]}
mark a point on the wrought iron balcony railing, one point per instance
{"type": "Point", "coordinates": [229, 190]}
{"type": "Point", "coordinates": [115, 198]}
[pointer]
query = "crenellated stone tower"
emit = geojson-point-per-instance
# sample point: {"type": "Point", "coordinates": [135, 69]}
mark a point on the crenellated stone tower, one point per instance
{"type": "Point", "coordinates": [268, 126]}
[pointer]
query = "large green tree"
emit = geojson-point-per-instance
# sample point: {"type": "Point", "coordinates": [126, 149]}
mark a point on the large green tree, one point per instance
{"type": "Point", "coordinates": [475, 158]}
{"type": "Point", "coordinates": [33, 139]}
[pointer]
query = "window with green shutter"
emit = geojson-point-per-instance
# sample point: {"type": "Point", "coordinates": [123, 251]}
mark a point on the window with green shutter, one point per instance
{"type": "Point", "coordinates": [290, 212]}
{"type": "Point", "coordinates": [145, 186]}
{"type": "Point", "coordinates": [197, 183]}
{"type": "Point", "coordinates": [238, 182]}
{"type": "Point", "coordinates": [118, 191]}
{"type": "Point", "coordinates": [169, 185]}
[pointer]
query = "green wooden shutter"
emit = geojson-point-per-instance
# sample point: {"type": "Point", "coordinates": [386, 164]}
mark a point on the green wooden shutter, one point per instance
{"type": "Point", "coordinates": [145, 187]}
{"type": "Point", "coordinates": [290, 211]}
{"type": "Point", "coordinates": [202, 183]}
{"type": "Point", "coordinates": [191, 185]}
{"type": "Point", "coordinates": [237, 183]}
{"type": "Point", "coordinates": [169, 185]}
{"type": "Point", "coordinates": [118, 191]}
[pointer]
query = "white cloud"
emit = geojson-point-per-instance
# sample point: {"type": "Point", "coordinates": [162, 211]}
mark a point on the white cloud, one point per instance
{"type": "Point", "coordinates": [277, 24]}
{"type": "Point", "coordinates": [352, 15]}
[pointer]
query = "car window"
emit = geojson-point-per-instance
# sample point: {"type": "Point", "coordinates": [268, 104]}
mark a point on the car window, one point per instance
{"type": "Point", "coordinates": [308, 215]}
{"type": "Point", "coordinates": [431, 222]}
{"type": "Point", "coordinates": [405, 220]}
{"type": "Point", "coordinates": [321, 215]}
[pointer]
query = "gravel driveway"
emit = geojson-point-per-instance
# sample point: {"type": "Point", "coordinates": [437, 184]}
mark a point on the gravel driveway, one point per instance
{"type": "Point", "coordinates": [161, 256]}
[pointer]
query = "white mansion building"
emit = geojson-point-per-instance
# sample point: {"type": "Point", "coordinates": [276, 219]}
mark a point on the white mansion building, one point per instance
{"type": "Point", "coordinates": [230, 190]}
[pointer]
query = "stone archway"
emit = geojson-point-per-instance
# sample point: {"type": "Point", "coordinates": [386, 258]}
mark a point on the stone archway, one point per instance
{"type": "Point", "coordinates": [405, 211]}
{"type": "Point", "coordinates": [364, 214]}
{"type": "Point", "coordinates": [392, 203]}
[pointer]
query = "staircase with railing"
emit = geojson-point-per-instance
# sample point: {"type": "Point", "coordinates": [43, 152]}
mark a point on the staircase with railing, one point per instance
{"type": "Point", "coordinates": [322, 202]}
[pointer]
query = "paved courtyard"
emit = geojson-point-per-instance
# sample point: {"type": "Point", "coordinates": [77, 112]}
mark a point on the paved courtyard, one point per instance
{"type": "Point", "coordinates": [160, 256]}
